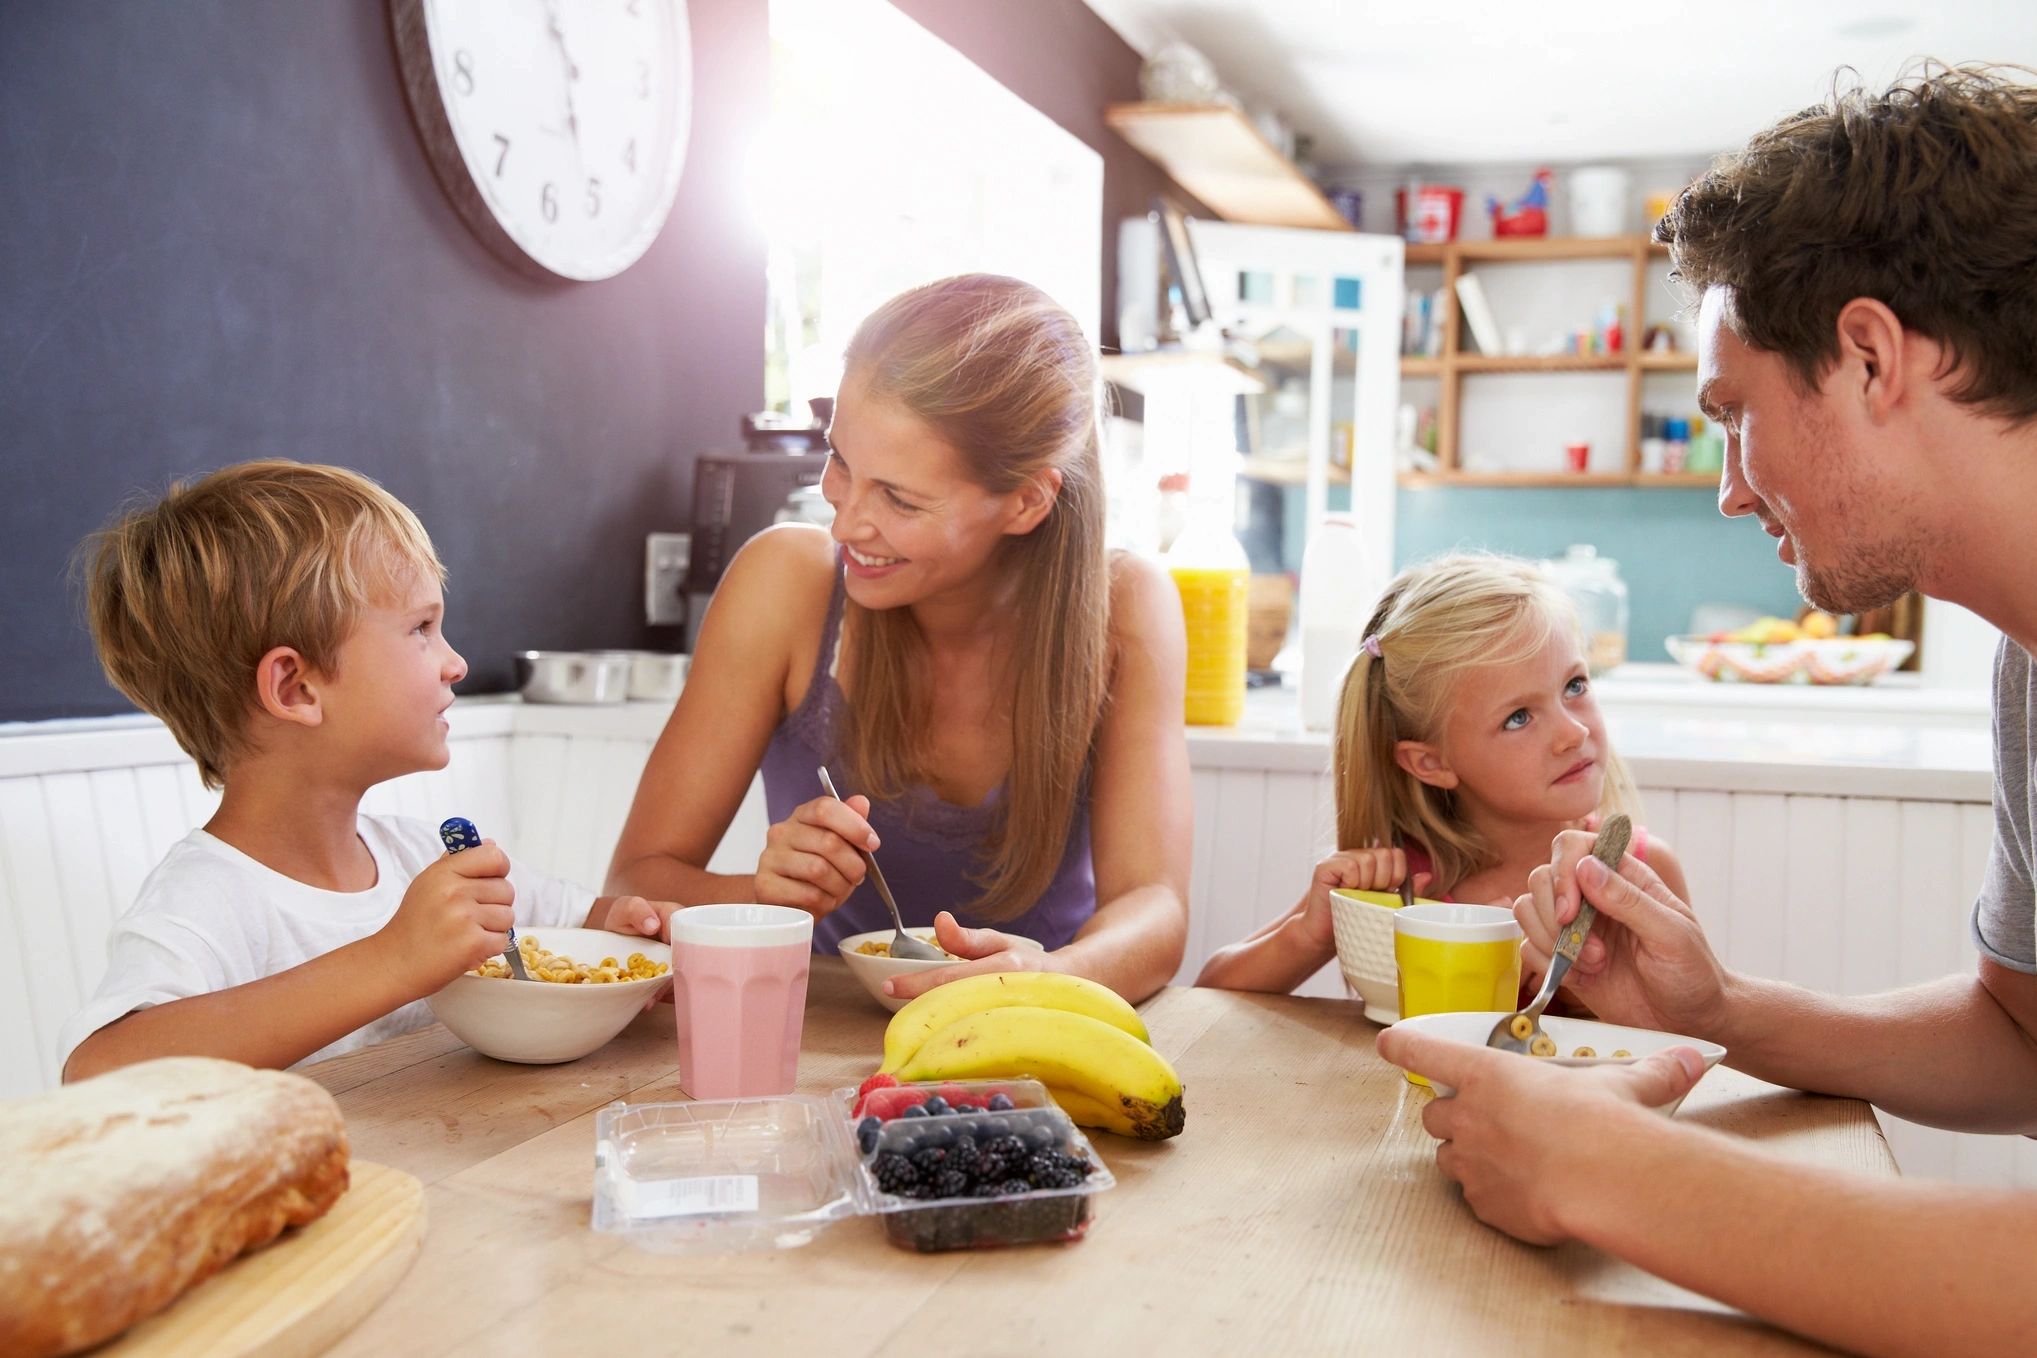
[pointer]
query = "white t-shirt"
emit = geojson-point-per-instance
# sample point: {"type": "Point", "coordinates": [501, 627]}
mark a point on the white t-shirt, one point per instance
{"type": "Point", "coordinates": [210, 917]}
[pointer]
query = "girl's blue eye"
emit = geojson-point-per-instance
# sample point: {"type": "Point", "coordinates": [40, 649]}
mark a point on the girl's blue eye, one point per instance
{"type": "Point", "coordinates": [1516, 719]}
{"type": "Point", "coordinates": [1575, 687]}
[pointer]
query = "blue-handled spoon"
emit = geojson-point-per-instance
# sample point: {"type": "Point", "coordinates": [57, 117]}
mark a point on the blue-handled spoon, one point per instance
{"type": "Point", "coordinates": [458, 833]}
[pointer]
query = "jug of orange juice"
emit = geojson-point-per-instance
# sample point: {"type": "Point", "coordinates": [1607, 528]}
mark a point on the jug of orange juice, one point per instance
{"type": "Point", "coordinates": [1210, 569]}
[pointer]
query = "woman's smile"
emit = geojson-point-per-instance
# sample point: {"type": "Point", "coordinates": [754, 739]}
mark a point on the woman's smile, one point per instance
{"type": "Point", "coordinates": [868, 565]}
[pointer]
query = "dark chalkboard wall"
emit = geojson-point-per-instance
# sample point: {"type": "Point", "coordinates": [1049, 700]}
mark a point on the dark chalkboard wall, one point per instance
{"type": "Point", "coordinates": [220, 239]}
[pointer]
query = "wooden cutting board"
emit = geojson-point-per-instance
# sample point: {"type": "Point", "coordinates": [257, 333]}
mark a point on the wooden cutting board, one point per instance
{"type": "Point", "coordinates": [298, 1296]}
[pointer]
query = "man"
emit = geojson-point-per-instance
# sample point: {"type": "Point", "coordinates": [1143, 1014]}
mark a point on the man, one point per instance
{"type": "Point", "coordinates": [1868, 342]}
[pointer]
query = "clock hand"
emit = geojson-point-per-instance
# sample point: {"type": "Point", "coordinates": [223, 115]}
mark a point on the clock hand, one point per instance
{"type": "Point", "coordinates": [558, 35]}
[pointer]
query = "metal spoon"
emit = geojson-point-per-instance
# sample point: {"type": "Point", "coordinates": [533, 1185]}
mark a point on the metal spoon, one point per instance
{"type": "Point", "coordinates": [1523, 1031]}
{"type": "Point", "coordinates": [458, 833]}
{"type": "Point", "coordinates": [902, 944]}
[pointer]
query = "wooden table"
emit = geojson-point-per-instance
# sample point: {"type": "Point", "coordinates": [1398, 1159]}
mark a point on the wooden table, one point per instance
{"type": "Point", "coordinates": [1301, 1211]}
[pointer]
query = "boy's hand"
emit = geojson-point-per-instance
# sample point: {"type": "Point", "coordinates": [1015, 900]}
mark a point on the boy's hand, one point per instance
{"type": "Point", "coordinates": [634, 915]}
{"type": "Point", "coordinates": [456, 915]}
{"type": "Point", "coordinates": [1355, 870]}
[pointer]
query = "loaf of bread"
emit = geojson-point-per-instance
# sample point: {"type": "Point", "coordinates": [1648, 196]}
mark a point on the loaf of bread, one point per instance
{"type": "Point", "coordinates": [118, 1193]}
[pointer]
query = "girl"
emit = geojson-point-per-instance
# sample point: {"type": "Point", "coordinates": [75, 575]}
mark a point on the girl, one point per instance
{"type": "Point", "coordinates": [998, 697]}
{"type": "Point", "coordinates": [1467, 733]}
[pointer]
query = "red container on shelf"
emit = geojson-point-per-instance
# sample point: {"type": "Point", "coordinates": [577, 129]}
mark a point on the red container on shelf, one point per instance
{"type": "Point", "coordinates": [1438, 210]}
{"type": "Point", "coordinates": [1579, 455]}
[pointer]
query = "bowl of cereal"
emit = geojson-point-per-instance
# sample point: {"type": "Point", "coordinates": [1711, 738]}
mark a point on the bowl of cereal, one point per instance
{"type": "Point", "coordinates": [871, 963]}
{"type": "Point", "coordinates": [1579, 1042]}
{"type": "Point", "coordinates": [585, 987]}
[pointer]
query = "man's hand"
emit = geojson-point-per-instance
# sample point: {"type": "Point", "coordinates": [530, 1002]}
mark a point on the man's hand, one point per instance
{"type": "Point", "coordinates": [1511, 1129]}
{"type": "Point", "coordinates": [455, 916]}
{"type": "Point", "coordinates": [1646, 963]}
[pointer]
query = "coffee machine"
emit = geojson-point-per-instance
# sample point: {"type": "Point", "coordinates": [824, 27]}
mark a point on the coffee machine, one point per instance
{"type": "Point", "coordinates": [737, 495]}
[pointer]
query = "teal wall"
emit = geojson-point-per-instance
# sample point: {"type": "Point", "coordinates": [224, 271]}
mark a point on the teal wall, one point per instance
{"type": "Point", "coordinates": [1674, 547]}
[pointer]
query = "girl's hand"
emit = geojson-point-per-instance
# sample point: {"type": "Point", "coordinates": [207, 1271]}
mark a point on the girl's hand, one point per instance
{"type": "Point", "coordinates": [982, 950]}
{"type": "Point", "coordinates": [1354, 870]}
{"type": "Point", "coordinates": [810, 860]}
{"type": "Point", "coordinates": [635, 916]}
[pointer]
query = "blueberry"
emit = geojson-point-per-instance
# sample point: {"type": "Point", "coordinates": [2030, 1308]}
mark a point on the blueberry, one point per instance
{"type": "Point", "coordinates": [935, 1106]}
{"type": "Point", "coordinates": [992, 1128]}
{"type": "Point", "coordinates": [918, 1110]}
{"type": "Point", "coordinates": [1041, 1138]}
{"type": "Point", "coordinates": [866, 1134]}
{"type": "Point", "coordinates": [1000, 1103]}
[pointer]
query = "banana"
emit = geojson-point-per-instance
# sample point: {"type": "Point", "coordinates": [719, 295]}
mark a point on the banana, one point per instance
{"type": "Point", "coordinates": [911, 1026]}
{"type": "Point", "coordinates": [1130, 1085]}
{"type": "Point", "coordinates": [1087, 1112]}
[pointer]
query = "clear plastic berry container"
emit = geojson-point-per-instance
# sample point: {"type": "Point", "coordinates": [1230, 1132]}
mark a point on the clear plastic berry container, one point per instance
{"type": "Point", "coordinates": [998, 1163]}
{"type": "Point", "coordinates": [719, 1176]}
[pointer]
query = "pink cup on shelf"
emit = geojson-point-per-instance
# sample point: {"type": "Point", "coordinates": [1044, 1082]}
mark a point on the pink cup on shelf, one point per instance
{"type": "Point", "coordinates": [739, 989]}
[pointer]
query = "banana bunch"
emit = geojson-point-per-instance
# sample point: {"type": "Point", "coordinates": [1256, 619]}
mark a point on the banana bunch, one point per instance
{"type": "Point", "coordinates": [1076, 1037]}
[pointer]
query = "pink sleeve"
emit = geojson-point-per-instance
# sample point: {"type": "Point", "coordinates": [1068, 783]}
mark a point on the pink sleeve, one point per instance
{"type": "Point", "coordinates": [1639, 846]}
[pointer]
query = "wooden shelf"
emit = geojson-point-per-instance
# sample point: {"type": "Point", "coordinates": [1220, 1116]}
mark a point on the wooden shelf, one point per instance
{"type": "Point", "coordinates": [1541, 248]}
{"type": "Point", "coordinates": [1530, 363]}
{"type": "Point", "coordinates": [1298, 356]}
{"type": "Point", "coordinates": [1669, 363]}
{"type": "Point", "coordinates": [1174, 368]}
{"type": "Point", "coordinates": [1425, 256]}
{"type": "Point", "coordinates": [1417, 365]}
{"type": "Point", "coordinates": [1707, 480]}
{"type": "Point", "coordinates": [1214, 152]}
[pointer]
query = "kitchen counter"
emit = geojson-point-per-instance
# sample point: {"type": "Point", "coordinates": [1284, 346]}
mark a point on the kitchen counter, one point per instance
{"type": "Point", "coordinates": [1301, 1211]}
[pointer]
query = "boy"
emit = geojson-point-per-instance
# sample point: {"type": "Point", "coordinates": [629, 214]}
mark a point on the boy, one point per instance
{"type": "Point", "coordinates": [284, 621]}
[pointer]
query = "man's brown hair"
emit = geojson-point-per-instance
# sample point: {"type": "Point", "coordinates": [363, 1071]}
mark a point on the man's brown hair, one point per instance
{"type": "Point", "coordinates": [1922, 197]}
{"type": "Point", "coordinates": [187, 594]}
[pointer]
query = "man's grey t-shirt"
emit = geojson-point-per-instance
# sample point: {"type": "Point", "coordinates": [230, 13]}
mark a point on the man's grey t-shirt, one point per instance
{"type": "Point", "coordinates": [2005, 916]}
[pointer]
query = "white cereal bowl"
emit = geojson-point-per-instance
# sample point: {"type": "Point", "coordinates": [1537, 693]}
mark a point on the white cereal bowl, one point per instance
{"type": "Point", "coordinates": [1569, 1034]}
{"type": "Point", "coordinates": [873, 971]}
{"type": "Point", "coordinates": [1363, 921]}
{"type": "Point", "coordinates": [542, 1023]}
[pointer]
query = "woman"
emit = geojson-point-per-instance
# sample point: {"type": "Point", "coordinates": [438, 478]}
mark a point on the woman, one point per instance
{"type": "Point", "coordinates": [998, 698]}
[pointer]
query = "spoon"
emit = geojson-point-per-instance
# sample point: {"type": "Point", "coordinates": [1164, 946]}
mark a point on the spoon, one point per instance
{"type": "Point", "coordinates": [902, 944]}
{"type": "Point", "coordinates": [457, 833]}
{"type": "Point", "coordinates": [1522, 1032]}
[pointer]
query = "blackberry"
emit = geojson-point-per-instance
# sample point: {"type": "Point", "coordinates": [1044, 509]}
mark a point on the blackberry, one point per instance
{"type": "Point", "coordinates": [985, 1189]}
{"type": "Point", "coordinates": [951, 1183]}
{"type": "Point", "coordinates": [992, 1166]}
{"type": "Point", "coordinates": [1010, 1147]}
{"type": "Point", "coordinates": [1013, 1187]}
{"type": "Point", "coordinates": [965, 1144]}
{"type": "Point", "coordinates": [894, 1173]}
{"type": "Point", "coordinates": [1060, 1178]}
{"type": "Point", "coordinates": [935, 1106]}
{"type": "Point", "coordinates": [1000, 1103]}
{"type": "Point", "coordinates": [866, 1134]}
{"type": "Point", "coordinates": [929, 1161]}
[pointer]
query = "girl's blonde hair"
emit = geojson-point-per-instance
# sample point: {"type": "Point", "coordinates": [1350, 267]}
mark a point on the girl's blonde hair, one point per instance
{"type": "Point", "coordinates": [1005, 376]}
{"type": "Point", "coordinates": [1436, 621]}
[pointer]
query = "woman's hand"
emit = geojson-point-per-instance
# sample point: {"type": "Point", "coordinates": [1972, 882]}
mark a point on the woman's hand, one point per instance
{"type": "Point", "coordinates": [810, 860]}
{"type": "Point", "coordinates": [1353, 870]}
{"type": "Point", "coordinates": [982, 950]}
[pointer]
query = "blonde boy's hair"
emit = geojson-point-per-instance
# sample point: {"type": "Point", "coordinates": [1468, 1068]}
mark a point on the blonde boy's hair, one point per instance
{"type": "Point", "coordinates": [1437, 621]}
{"type": "Point", "coordinates": [186, 595]}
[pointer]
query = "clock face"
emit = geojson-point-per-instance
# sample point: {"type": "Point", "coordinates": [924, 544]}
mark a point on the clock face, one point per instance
{"type": "Point", "coordinates": [557, 126]}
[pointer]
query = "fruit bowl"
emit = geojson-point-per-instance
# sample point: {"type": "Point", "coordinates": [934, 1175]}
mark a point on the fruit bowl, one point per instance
{"type": "Point", "coordinates": [872, 970]}
{"type": "Point", "coordinates": [541, 1022]}
{"type": "Point", "coordinates": [1834, 660]}
{"type": "Point", "coordinates": [1569, 1034]}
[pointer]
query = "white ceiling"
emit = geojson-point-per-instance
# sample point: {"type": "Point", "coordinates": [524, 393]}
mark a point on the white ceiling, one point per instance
{"type": "Point", "coordinates": [1492, 81]}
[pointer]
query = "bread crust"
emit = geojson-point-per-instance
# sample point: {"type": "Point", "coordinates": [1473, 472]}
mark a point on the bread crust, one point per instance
{"type": "Point", "coordinates": [119, 1193]}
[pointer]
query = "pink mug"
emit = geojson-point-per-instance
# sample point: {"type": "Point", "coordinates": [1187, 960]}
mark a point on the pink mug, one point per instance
{"type": "Point", "coordinates": [739, 990]}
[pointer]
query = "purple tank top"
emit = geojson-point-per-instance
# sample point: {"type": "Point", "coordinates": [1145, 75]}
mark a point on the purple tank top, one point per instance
{"type": "Point", "coordinates": [929, 846]}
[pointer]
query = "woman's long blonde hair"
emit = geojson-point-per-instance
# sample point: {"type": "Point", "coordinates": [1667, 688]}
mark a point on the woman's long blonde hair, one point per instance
{"type": "Point", "coordinates": [1005, 376]}
{"type": "Point", "coordinates": [1436, 621]}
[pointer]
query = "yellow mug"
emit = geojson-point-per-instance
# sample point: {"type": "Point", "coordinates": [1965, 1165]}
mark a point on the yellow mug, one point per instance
{"type": "Point", "coordinates": [1456, 958]}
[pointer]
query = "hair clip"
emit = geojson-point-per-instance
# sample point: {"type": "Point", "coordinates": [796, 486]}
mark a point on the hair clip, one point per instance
{"type": "Point", "coordinates": [1372, 647]}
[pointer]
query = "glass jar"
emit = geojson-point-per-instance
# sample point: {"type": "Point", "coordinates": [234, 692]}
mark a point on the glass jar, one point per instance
{"type": "Point", "coordinates": [1211, 571]}
{"type": "Point", "coordinates": [1594, 585]}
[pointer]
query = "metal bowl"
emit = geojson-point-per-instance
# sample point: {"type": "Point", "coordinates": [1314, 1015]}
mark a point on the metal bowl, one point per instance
{"type": "Point", "coordinates": [572, 676]}
{"type": "Point", "coordinates": [654, 676]}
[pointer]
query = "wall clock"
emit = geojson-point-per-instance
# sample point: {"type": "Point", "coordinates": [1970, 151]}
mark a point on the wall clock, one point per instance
{"type": "Point", "coordinates": [557, 127]}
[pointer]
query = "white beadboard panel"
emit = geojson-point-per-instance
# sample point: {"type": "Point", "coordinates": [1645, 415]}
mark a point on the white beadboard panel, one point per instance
{"type": "Point", "coordinates": [1754, 894]}
{"type": "Point", "coordinates": [1203, 796]}
{"type": "Point", "coordinates": [1811, 906]}
{"type": "Point", "coordinates": [1704, 845]}
{"type": "Point", "coordinates": [77, 848]}
{"type": "Point", "coordinates": [743, 842]}
{"type": "Point", "coordinates": [537, 773]}
{"type": "Point", "coordinates": [42, 939]}
{"type": "Point", "coordinates": [1869, 902]}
